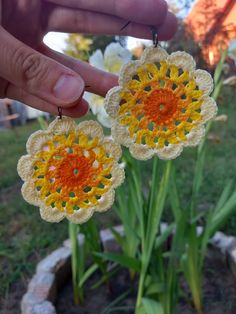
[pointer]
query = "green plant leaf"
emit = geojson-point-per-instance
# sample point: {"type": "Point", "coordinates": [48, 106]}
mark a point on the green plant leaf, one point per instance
{"type": "Point", "coordinates": [111, 305]}
{"type": "Point", "coordinates": [155, 287]}
{"type": "Point", "coordinates": [223, 214]}
{"type": "Point", "coordinates": [123, 260]}
{"type": "Point", "coordinates": [87, 274]}
{"type": "Point", "coordinates": [152, 307]}
{"type": "Point", "coordinates": [219, 68]}
{"type": "Point", "coordinates": [106, 277]}
{"type": "Point", "coordinates": [224, 196]}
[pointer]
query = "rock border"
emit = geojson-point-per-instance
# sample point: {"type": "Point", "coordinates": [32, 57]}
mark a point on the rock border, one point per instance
{"type": "Point", "coordinates": [53, 271]}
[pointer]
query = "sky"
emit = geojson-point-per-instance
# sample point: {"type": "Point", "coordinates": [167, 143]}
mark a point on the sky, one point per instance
{"type": "Point", "coordinates": [56, 41]}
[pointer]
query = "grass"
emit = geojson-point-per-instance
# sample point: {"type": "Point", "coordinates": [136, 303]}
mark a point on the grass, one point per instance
{"type": "Point", "coordinates": [220, 163]}
{"type": "Point", "coordinates": [25, 238]}
{"type": "Point", "coordinates": [12, 146]}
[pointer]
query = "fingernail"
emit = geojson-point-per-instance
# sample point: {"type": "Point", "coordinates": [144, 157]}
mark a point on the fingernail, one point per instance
{"type": "Point", "coordinates": [68, 88]}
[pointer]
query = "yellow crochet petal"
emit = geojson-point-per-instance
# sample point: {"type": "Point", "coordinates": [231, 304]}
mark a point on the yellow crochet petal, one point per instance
{"type": "Point", "coordinates": [152, 69]}
{"type": "Point", "coordinates": [134, 84]}
{"type": "Point", "coordinates": [174, 72]}
{"type": "Point", "coordinates": [72, 174]}
{"type": "Point", "coordinates": [142, 74]}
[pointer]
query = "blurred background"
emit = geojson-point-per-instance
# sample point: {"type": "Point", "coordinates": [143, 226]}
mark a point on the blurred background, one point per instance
{"type": "Point", "coordinates": [206, 29]}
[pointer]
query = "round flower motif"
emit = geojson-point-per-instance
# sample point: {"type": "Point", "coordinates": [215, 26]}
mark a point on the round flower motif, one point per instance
{"type": "Point", "coordinates": [70, 170]}
{"type": "Point", "coordinates": [161, 104]}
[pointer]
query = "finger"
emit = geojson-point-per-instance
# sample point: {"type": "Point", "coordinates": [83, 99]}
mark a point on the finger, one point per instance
{"type": "Point", "coordinates": [99, 82]}
{"type": "Point", "coordinates": [72, 21]}
{"type": "Point", "coordinates": [79, 109]}
{"type": "Point", "coordinates": [37, 74]}
{"type": "Point", "coordinates": [140, 11]}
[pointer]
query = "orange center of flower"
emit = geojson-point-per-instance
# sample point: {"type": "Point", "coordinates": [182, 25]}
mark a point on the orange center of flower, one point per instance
{"type": "Point", "coordinates": [160, 106]}
{"type": "Point", "coordinates": [72, 171]}
{"type": "Point", "coordinates": [75, 171]}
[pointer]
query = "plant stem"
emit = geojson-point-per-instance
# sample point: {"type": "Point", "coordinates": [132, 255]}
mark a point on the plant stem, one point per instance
{"type": "Point", "coordinates": [75, 263]}
{"type": "Point", "coordinates": [155, 209]}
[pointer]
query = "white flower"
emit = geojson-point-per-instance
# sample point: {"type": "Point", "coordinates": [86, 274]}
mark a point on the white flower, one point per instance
{"type": "Point", "coordinates": [115, 56]}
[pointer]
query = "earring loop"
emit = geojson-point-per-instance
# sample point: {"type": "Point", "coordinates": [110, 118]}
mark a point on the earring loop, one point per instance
{"type": "Point", "coordinates": [154, 36]}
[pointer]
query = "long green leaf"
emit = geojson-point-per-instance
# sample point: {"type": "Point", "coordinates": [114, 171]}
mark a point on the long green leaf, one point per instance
{"type": "Point", "coordinates": [121, 259]}
{"type": "Point", "coordinates": [224, 196]}
{"type": "Point", "coordinates": [87, 274]}
{"type": "Point", "coordinates": [115, 302]}
{"type": "Point", "coordinates": [219, 68]}
{"type": "Point", "coordinates": [223, 214]}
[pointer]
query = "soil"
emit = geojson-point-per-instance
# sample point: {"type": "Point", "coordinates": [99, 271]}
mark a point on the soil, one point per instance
{"type": "Point", "coordinates": [219, 292]}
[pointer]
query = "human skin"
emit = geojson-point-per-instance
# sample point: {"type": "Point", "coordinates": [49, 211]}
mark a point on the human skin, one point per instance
{"type": "Point", "coordinates": [42, 78]}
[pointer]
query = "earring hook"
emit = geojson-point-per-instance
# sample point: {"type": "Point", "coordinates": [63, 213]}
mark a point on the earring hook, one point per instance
{"type": "Point", "coordinates": [59, 112]}
{"type": "Point", "coordinates": [154, 36]}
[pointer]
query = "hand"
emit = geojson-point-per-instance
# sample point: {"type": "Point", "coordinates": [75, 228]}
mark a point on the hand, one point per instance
{"type": "Point", "coordinates": [42, 78]}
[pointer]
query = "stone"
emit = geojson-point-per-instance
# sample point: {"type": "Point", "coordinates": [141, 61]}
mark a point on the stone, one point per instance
{"type": "Point", "coordinates": [54, 261]}
{"type": "Point", "coordinates": [44, 308]}
{"type": "Point", "coordinates": [43, 286]}
{"type": "Point", "coordinates": [28, 302]}
{"type": "Point", "coordinates": [222, 241]}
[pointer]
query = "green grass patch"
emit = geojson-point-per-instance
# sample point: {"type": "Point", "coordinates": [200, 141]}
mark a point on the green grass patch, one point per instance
{"type": "Point", "coordinates": [12, 146]}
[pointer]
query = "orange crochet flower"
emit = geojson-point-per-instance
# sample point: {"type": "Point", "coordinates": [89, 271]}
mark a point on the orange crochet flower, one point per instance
{"type": "Point", "coordinates": [70, 170]}
{"type": "Point", "coordinates": [161, 104]}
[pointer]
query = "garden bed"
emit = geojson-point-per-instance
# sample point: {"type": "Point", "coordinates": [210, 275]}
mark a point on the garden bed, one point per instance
{"type": "Point", "coordinates": [50, 290]}
{"type": "Point", "coordinates": [219, 290]}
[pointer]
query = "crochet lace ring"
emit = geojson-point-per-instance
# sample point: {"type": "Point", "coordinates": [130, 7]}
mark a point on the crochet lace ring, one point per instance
{"type": "Point", "coordinates": [71, 170]}
{"type": "Point", "coordinates": [74, 176]}
{"type": "Point", "coordinates": [161, 105]}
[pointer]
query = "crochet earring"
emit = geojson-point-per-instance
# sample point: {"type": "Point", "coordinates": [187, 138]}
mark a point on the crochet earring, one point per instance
{"type": "Point", "coordinates": [161, 104]}
{"type": "Point", "coordinates": [71, 170]}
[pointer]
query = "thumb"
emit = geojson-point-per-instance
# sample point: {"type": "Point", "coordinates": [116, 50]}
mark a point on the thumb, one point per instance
{"type": "Point", "coordinates": [37, 74]}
